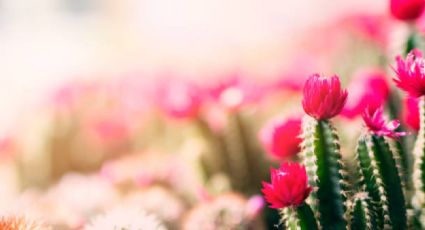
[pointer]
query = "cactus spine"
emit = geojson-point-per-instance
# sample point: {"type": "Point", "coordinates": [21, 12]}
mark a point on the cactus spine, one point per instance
{"type": "Point", "coordinates": [381, 180]}
{"type": "Point", "coordinates": [322, 158]}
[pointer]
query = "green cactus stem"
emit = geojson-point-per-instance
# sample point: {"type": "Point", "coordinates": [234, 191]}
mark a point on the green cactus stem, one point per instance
{"type": "Point", "coordinates": [362, 217]}
{"type": "Point", "coordinates": [322, 158]}
{"type": "Point", "coordinates": [418, 201]}
{"type": "Point", "coordinates": [403, 144]}
{"type": "Point", "coordinates": [299, 218]}
{"type": "Point", "coordinates": [381, 180]}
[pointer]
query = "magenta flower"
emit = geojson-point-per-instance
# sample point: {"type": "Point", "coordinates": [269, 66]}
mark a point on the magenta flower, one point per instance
{"type": "Point", "coordinates": [411, 112]}
{"type": "Point", "coordinates": [411, 73]}
{"type": "Point", "coordinates": [323, 97]}
{"type": "Point", "coordinates": [369, 88]}
{"type": "Point", "coordinates": [179, 99]}
{"type": "Point", "coordinates": [288, 187]}
{"type": "Point", "coordinates": [407, 9]}
{"type": "Point", "coordinates": [235, 92]}
{"type": "Point", "coordinates": [375, 122]}
{"type": "Point", "coordinates": [373, 27]}
{"type": "Point", "coordinates": [281, 138]}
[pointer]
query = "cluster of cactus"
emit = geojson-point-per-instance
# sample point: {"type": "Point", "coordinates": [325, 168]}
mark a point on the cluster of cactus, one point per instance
{"type": "Point", "coordinates": [376, 194]}
{"type": "Point", "coordinates": [376, 202]}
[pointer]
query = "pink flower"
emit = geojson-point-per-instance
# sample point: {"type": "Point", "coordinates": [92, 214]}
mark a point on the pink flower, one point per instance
{"type": "Point", "coordinates": [235, 92]}
{"type": "Point", "coordinates": [369, 26]}
{"type": "Point", "coordinates": [179, 99]}
{"type": "Point", "coordinates": [407, 9]}
{"type": "Point", "coordinates": [281, 138]}
{"type": "Point", "coordinates": [323, 97]}
{"type": "Point", "coordinates": [411, 73]}
{"type": "Point", "coordinates": [369, 88]}
{"type": "Point", "coordinates": [288, 187]}
{"type": "Point", "coordinates": [254, 206]}
{"type": "Point", "coordinates": [375, 122]}
{"type": "Point", "coordinates": [111, 129]}
{"type": "Point", "coordinates": [411, 112]}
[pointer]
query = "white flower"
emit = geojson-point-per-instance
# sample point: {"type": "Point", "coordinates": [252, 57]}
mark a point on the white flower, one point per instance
{"type": "Point", "coordinates": [125, 219]}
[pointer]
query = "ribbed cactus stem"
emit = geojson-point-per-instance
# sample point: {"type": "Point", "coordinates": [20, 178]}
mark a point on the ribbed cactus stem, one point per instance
{"type": "Point", "coordinates": [322, 158]}
{"type": "Point", "coordinates": [418, 201]}
{"type": "Point", "coordinates": [361, 214]}
{"type": "Point", "coordinates": [289, 218]}
{"type": "Point", "coordinates": [382, 181]}
{"type": "Point", "coordinates": [372, 181]}
{"type": "Point", "coordinates": [299, 218]}
{"type": "Point", "coordinates": [419, 163]}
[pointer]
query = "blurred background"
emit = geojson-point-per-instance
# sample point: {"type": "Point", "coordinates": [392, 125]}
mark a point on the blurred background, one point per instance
{"type": "Point", "coordinates": [46, 42]}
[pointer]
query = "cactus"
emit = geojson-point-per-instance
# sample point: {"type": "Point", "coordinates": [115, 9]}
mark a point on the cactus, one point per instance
{"type": "Point", "coordinates": [362, 215]}
{"type": "Point", "coordinates": [322, 158]}
{"type": "Point", "coordinates": [381, 180]}
{"type": "Point", "coordinates": [418, 202]}
{"type": "Point", "coordinates": [299, 218]}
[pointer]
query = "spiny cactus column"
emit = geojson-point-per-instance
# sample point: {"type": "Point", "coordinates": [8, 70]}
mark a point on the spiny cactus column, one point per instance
{"type": "Point", "coordinates": [419, 165]}
{"type": "Point", "coordinates": [380, 171]}
{"type": "Point", "coordinates": [299, 218]}
{"type": "Point", "coordinates": [362, 216]}
{"type": "Point", "coordinates": [411, 79]}
{"type": "Point", "coordinates": [324, 99]}
{"type": "Point", "coordinates": [381, 180]}
{"type": "Point", "coordinates": [321, 153]}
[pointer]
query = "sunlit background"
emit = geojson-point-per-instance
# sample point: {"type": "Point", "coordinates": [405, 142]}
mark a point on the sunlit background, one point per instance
{"type": "Point", "coordinates": [45, 42]}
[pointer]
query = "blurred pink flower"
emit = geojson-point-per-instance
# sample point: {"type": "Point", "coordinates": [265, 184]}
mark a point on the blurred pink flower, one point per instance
{"type": "Point", "coordinates": [370, 26]}
{"type": "Point", "coordinates": [407, 9]}
{"type": "Point", "coordinates": [108, 130]}
{"type": "Point", "coordinates": [323, 97]}
{"type": "Point", "coordinates": [281, 138]}
{"type": "Point", "coordinates": [254, 206]}
{"type": "Point", "coordinates": [234, 92]}
{"type": "Point", "coordinates": [179, 98]}
{"type": "Point", "coordinates": [9, 147]}
{"type": "Point", "coordinates": [227, 211]}
{"type": "Point", "coordinates": [289, 186]}
{"type": "Point", "coordinates": [368, 88]}
{"type": "Point", "coordinates": [375, 122]}
{"type": "Point", "coordinates": [66, 95]}
{"type": "Point", "coordinates": [71, 94]}
{"type": "Point", "coordinates": [411, 73]}
{"type": "Point", "coordinates": [411, 112]}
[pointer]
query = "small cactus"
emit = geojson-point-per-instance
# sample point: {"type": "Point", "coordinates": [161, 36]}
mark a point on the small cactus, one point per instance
{"type": "Point", "coordinates": [321, 151]}
{"type": "Point", "coordinates": [322, 158]}
{"type": "Point", "coordinates": [380, 170]}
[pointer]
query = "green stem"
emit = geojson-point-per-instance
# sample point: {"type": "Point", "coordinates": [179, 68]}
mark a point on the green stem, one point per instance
{"type": "Point", "coordinates": [402, 144]}
{"type": "Point", "coordinates": [321, 152]}
{"type": "Point", "coordinates": [299, 218]}
{"type": "Point", "coordinates": [306, 217]}
{"type": "Point", "coordinates": [382, 181]}
{"type": "Point", "coordinates": [361, 215]}
{"type": "Point", "coordinates": [413, 41]}
{"type": "Point", "coordinates": [418, 201]}
{"type": "Point", "coordinates": [391, 178]}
